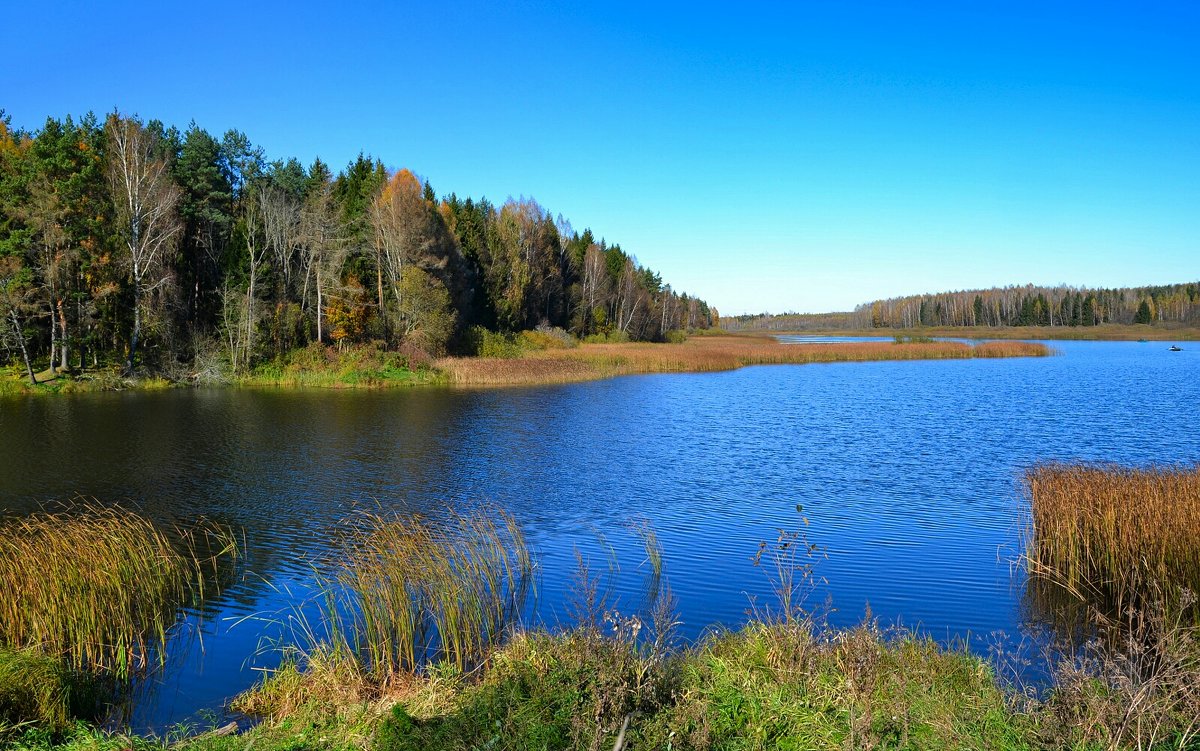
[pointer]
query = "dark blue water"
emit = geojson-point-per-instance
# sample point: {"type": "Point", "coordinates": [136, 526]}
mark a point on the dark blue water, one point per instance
{"type": "Point", "coordinates": [908, 473]}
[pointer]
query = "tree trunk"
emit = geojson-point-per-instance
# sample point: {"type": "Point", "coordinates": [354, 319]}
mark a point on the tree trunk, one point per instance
{"type": "Point", "coordinates": [379, 276]}
{"type": "Point", "coordinates": [63, 360]}
{"type": "Point", "coordinates": [250, 312]}
{"type": "Point", "coordinates": [53, 336]}
{"type": "Point", "coordinates": [320, 338]}
{"type": "Point", "coordinates": [137, 330]}
{"type": "Point", "coordinates": [16, 323]}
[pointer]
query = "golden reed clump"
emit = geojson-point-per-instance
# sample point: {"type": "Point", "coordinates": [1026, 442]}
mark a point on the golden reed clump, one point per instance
{"type": "Point", "coordinates": [100, 586]}
{"type": "Point", "coordinates": [1115, 531]}
{"type": "Point", "coordinates": [413, 588]}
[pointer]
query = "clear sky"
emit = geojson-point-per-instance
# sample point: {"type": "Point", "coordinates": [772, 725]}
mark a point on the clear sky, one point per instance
{"type": "Point", "coordinates": [800, 156]}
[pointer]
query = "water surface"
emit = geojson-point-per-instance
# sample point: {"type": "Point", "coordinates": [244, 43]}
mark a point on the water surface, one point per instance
{"type": "Point", "coordinates": [907, 471]}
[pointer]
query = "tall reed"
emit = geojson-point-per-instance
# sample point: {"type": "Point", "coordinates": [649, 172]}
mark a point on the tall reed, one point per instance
{"type": "Point", "coordinates": [414, 589]}
{"type": "Point", "coordinates": [100, 586]}
{"type": "Point", "coordinates": [1115, 531]}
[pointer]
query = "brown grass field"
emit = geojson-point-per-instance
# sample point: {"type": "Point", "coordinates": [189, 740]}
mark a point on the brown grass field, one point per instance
{"type": "Point", "coordinates": [702, 354]}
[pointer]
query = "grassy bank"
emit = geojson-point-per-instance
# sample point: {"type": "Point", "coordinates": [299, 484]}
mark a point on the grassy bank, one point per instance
{"type": "Point", "coordinates": [767, 686]}
{"type": "Point", "coordinates": [1103, 332]}
{"type": "Point", "coordinates": [13, 382]}
{"type": "Point", "coordinates": [366, 366]}
{"type": "Point", "coordinates": [702, 354]}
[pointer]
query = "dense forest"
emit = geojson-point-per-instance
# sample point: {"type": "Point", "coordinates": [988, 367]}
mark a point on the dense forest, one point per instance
{"type": "Point", "coordinates": [1172, 304]}
{"type": "Point", "coordinates": [133, 243]}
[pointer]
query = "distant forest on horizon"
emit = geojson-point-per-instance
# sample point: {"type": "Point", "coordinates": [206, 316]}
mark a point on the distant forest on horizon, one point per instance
{"type": "Point", "coordinates": [131, 242]}
{"type": "Point", "coordinates": [1029, 305]}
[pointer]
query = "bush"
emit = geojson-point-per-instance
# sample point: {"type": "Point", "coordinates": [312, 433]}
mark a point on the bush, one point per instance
{"type": "Point", "coordinates": [484, 343]}
{"type": "Point", "coordinates": [548, 337]}
{"type": "Point", "coordinates": [541, 692]}
{"type": "Point", "coordinates": [42, 691]}
{"type": "Point", "coordinates": [609, 337]}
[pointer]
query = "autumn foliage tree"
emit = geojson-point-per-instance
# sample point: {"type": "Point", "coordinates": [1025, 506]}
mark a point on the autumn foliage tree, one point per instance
{"type": "Point", "coordinates": [121, 238]}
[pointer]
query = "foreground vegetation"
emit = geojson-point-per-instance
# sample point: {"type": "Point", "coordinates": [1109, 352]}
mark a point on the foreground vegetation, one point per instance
{"type": "Point", "coordinates": [768, 686]}
{"type": "Point", "coordinates": [91, 601]}
{"type": "Point", "coordinates": [1113, 533]}
{"type": "Point", "coordinates": [421, 648]}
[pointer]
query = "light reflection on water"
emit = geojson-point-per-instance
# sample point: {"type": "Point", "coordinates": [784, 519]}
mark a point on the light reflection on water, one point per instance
{"type": "Point", "coordinates": [907, 471]}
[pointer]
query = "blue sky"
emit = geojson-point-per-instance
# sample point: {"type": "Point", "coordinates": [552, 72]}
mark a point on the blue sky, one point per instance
{"type": "Point", "coordinates": [808, 156]}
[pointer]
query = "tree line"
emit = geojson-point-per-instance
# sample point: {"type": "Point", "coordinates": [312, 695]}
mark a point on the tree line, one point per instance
{"type": "Point", "coordinates": [131, 242]}
{"type": "Point", "coordinates": [1171, 304]}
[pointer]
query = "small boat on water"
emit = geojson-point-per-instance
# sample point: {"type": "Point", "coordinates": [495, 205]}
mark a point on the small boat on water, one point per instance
{"type": "Point", "coordinates": [1175, 348]}
{"type": "Point", "coordinates": [1142, 341]}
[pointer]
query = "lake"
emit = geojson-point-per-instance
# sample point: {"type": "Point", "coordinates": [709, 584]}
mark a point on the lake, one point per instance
{"type": "Point", "coordinates": [908, 473]}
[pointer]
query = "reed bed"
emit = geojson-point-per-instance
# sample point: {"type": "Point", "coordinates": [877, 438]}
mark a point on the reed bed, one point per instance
{"type": "Point", "coordinates": [703, 354]}
{"type": "Point", "coordinates": [99, 587]}
{"type": "Point", "coordinates": [413, 590]}
{"type": "Point", "coordinates": [1113, 531]}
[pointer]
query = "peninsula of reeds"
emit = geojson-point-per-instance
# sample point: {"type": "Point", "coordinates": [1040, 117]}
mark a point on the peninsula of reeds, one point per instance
{"type": "Point", "coordinates": [591, 361]}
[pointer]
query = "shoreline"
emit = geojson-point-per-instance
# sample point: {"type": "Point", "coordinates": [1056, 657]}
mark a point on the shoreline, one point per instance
{"type": "Point", "coordinates": [1115, 332]}
{"type": "Point", "coordinates": [584, 362]}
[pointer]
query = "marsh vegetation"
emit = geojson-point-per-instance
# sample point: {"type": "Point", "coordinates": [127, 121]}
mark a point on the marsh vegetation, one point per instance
{"type": "Point", "coordinates": [91, 600]}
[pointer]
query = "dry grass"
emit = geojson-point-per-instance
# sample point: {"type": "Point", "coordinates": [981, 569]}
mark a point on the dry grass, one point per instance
{"type": "Point", "coordinates": [703, 354]}
{"type": "Point", "coordinates": [1113, 531]}
{"type": "Point", "coordinates": [1136, 686]}
{"type": "Point", "coordinates": [100, 587]}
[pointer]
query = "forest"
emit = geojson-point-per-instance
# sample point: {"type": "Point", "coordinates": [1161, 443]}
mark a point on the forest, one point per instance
{"type": "Point", "coordinates": [132, 244]}
{"type": "Point", "coordinates": [1167, 305]}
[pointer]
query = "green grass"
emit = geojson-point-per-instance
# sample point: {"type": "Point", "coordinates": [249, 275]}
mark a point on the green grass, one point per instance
{"type": "Point", "coordinates": [367, 366]}
{"type": "Point", "coordinates": [13, 382]}
{"type": "Point", "coordinates": [766, 686]}
{"type": "Point", "coordinates": [38, 690]}
{"type": "Point", "coordinates": [781, 686]}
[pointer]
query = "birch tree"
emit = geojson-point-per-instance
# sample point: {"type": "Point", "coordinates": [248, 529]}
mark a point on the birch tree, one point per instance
{"type": "Point", "coordinates": [319, 246]}
{"type": "Point", "coordinates": [145, 201]}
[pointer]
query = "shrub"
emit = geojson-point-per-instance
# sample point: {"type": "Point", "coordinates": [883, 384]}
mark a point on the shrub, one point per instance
{"type": "Point", "coordinates": [39, 690]}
